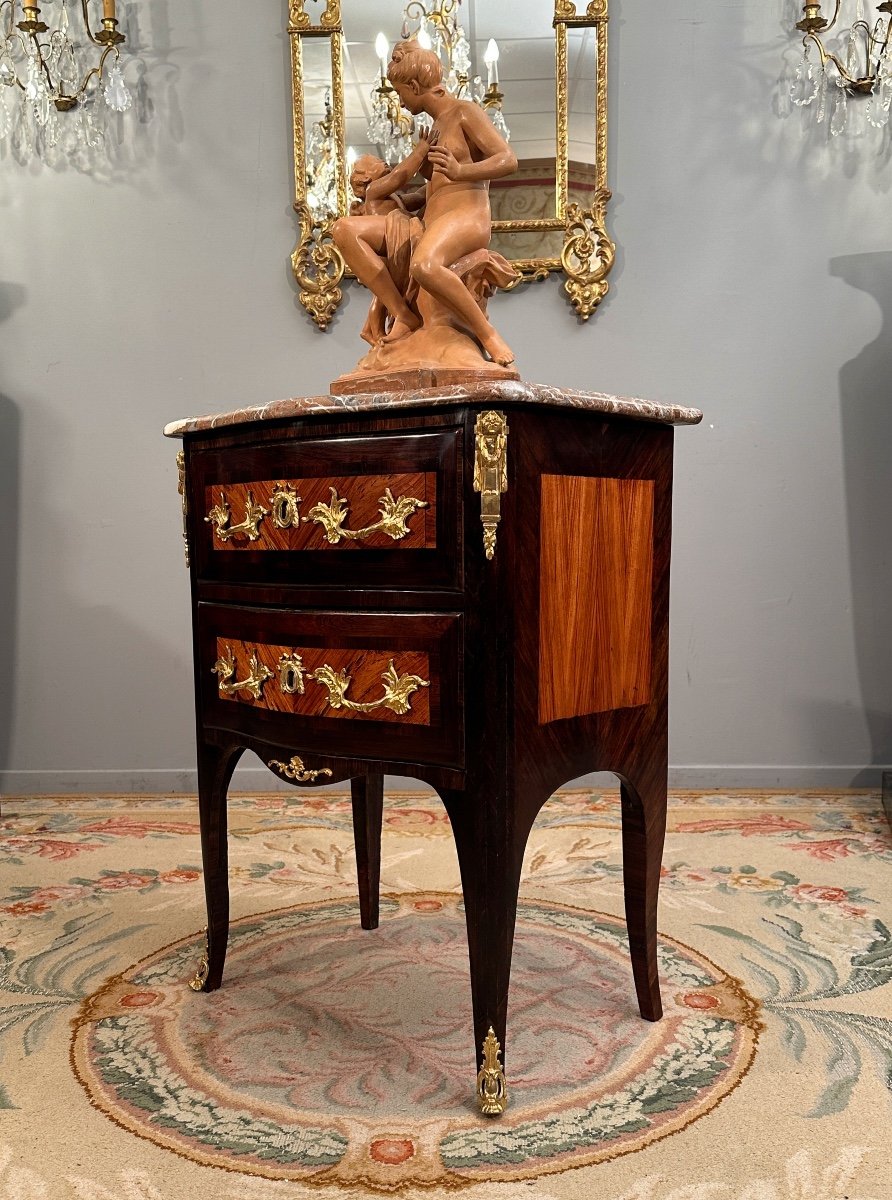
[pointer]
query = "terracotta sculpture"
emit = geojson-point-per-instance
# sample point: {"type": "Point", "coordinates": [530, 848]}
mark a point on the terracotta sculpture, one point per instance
{"type": "Point", "coordinates": [431, 274]}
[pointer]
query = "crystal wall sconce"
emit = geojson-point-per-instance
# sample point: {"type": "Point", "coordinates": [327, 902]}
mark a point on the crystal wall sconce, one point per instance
{"type": "Point", "coordinates": [48, 70]}
{"type": "Point", "coordinates": [857, 62]}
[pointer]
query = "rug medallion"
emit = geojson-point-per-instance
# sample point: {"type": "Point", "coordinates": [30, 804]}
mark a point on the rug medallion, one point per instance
{"type": "Point", "coordinates": [342, 1057]}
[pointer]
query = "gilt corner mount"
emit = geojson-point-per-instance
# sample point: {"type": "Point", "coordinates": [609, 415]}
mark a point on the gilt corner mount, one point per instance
{"type": "Point", "coordinates": [553, 217]}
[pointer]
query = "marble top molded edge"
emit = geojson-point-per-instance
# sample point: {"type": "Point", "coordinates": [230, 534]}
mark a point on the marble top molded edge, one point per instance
{"type": "Point", "coordinates": [507, 392]}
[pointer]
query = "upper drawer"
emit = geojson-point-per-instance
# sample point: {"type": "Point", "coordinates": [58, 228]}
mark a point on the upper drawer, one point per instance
{"type": "Point", "coordinates": [361, 511]}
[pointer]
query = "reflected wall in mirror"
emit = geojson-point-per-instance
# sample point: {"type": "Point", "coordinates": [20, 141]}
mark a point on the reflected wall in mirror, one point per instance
{"type": "Point", "coordinates": [539, 69]}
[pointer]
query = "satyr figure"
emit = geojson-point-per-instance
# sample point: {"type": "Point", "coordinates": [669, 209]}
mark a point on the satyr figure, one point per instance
{"type": "Point", "coordinates": [426, 257]}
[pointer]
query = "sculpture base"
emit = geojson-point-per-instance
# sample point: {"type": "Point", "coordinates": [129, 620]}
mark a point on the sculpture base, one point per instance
{"type": "Point", "coordinates": [410, 379]}
{"type": "Point", "coordinates": [436, 355]}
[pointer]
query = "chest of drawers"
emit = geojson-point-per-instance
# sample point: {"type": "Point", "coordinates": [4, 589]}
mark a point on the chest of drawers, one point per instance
{"type": "Point", "coordinates": [465, 586]}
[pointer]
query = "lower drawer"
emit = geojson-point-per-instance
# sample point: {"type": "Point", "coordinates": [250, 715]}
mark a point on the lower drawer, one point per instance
{"type": "Point", "coordinates": [356, 685]}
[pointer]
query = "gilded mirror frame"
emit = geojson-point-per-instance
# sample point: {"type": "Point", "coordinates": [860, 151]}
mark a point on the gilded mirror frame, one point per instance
{"type": "Point", "coordinates": [588, 253]}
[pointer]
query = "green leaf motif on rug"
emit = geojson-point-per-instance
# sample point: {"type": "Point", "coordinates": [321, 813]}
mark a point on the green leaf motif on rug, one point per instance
{"type": "Point", "coordinates": [813, 977]}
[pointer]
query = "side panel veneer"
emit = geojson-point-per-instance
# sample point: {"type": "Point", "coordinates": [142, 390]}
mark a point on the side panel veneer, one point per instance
{"type": "Point", "coordinates": [595, 595]}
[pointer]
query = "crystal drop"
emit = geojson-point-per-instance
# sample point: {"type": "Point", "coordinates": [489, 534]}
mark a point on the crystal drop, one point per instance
{"type": "Point", "coordinates": [478, 91]}
{"type": "Point", "coordinates": [875, 114]}
{"type": "Point", "coordinates": [63, 19]}
{"type": "Point", "coordinates": [461, 54]}
{"type": "Point", "coordinates": [7, 70]}
{"type": "Point", "coordinates": [23, 134]}
{"type": "Point", "coordinates": [68, 66]}
{"type": "Point", "coordinates": [52, 129]}
{"type": "Point", "coordinates": [90, 132]}
{"type": "Point", "coordinates": [5, 118]}
{"type": "Point", "coordinates": [822, 96]}
{"type": "Point", "coordinates": [880, 102]}
{"type": "Point", "coordinates": [805, 85]}
{"type": "Point", "coordinates": [42, 107]}
{"type": "Point", "coordinates": [498, 119]}
{"type": "Point", "coordinates": [32, 82]}
{"type": "Point", "coordinates": [840, 110]}
{"type": "Point", "coordinates": [117, 95]}
{"type": "Point", "coordinates": [851, 55]}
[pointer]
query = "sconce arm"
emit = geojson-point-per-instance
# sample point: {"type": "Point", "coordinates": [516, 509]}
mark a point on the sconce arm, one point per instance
{"type": "Point", "coordinates": [97, 71]}
{"type": "Point", "coordinates": [829, 56]}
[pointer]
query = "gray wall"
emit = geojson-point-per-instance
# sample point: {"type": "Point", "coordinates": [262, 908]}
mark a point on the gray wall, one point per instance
{"type": "Point", "coordinates": [754, 280]}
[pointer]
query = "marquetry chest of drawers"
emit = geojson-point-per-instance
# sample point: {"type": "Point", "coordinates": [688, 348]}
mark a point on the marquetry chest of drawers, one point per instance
{"type": "Point", "coordinates": [466, 585]}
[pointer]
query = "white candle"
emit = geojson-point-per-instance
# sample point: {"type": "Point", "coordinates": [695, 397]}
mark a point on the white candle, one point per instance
{"type": "Point", "coordinates": [491, 58]}
{"type": "Point", "coordinates": [382, 49]}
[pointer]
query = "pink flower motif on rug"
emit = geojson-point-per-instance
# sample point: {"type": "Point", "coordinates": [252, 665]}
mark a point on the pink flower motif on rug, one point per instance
{"type": "Point", "coordinates": [317, 1061]}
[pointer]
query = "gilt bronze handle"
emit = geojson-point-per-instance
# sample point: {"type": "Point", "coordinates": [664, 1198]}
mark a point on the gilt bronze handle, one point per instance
{"type": "Point", "coordinates": [224, 669]}
{"type": "Point", "coordinates": [397, 689]}
{"type": "Point", "coordinates": [394, 514]}
{"type": "Point", "coordinates": [221, 514]}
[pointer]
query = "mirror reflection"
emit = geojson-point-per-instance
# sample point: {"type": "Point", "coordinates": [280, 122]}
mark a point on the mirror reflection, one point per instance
{"type": "Point", "coordinates": [502, 56]}
{"type": "Point", "coordinates": [537, 68]}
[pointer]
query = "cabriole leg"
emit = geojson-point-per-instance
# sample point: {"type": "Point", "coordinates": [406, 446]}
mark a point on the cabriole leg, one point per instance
{"type": "Point", "coordinates": [644, 830]}
{"type": "Point", "coordinates": [490, 874]}
{"type": "Point", "coordinates": [215, 767]}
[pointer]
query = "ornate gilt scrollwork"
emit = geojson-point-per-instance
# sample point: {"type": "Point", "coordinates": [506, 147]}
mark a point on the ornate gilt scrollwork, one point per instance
{"type": "Point", "coordinates": [291, 674]}
{"type": "Point", "coordinates": [492, 1086]}
{"type": "Point", "coordinates": [394, 515]}
{"type": "Point", "coordinates": [296, 771]}
{"type": "Point", "coordinates": [565, 10]}
{"type": "Point", "coordinates": [318, 267]}
{"type": "Point", "coordinates": [224, 668]}
{"type": "Point", "coordinates": [397, 690]}
{"type": "Point", "coordinates": [200, 978]}
{"type": "Point", "coordinates": [299, 18]}
{"type": "Point", "coordinates": [491, 473]}
{"type": "Point", "coordinates": [181, 488]}
{"type": "Point", "coordinates": [221, 514]}
{"type": "Point", "coordinates": [587, 255]}
{"type": "Point", "coordinates": [285, 506]}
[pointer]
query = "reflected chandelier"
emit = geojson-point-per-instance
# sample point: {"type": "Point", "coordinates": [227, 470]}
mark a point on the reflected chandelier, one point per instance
{"type": "Point", "coordinates": [437, 27]}
{"type": "Point", "coordinates": [860, 62]}
{"type": "Point", "coordinates": [45, 73]}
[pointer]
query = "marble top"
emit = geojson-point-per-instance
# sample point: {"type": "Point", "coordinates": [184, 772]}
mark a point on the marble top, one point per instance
{"type": "Point", "coordinates": [498, 392]}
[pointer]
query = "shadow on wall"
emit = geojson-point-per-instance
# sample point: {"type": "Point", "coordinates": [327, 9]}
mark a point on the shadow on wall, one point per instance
{"type": "Point", "coordinates": [866, 423]}
{"type": "Point", "coordinates": [12, 296]}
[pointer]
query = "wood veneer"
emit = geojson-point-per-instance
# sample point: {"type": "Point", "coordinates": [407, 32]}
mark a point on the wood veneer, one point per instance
{"type": "Point", "coordinates": [365, 668]}
{"type": "Point", "coordinates": [595, 604]}
{"type": "Point", "coordinates": [363, 494]}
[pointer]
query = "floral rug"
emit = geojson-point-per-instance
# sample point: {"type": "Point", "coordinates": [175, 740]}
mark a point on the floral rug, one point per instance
{"type": "Point", "coordinates": [336, 1061]}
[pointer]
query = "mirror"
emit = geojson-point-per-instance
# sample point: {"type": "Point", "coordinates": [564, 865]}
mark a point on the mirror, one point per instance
{"type": "Point", "coordinates": [538, 67]}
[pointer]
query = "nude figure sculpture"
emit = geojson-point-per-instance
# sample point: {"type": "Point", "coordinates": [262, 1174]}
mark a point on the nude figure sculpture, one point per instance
{"type": "Point", "coordinates": [431, 274]}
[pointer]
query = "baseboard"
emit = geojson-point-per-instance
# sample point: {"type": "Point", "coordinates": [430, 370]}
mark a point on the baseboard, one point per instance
{"type": "Point", "coordinates": [247, 779]}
